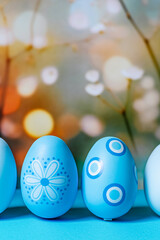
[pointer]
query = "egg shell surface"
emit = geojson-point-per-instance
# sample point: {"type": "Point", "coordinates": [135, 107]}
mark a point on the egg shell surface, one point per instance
{"type": "Point", "coordinates": [109, 179]}
{"type": "Point", "coordinates": [49, 178]}
{"type": "Point", "coordinates": [152, 180]}
{"type": "Point", "coordinates": [8, 175]}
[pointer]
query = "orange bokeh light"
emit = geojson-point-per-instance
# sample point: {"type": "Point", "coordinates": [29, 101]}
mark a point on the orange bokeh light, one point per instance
{"type": "Point", "coordinates": [12, 100]}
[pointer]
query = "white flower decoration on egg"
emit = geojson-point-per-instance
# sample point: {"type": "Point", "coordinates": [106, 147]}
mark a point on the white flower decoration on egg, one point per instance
{"type": "Point", "coordinates": [49, 75]}
{"type": "Point", "coordinates": [45, 181]}
{"type": "Point", "coordinates": [133, 73]}
{"type": "Point", "coordinates": [92, 76]}
{"type": "Point", "coordinates": [94, 89]}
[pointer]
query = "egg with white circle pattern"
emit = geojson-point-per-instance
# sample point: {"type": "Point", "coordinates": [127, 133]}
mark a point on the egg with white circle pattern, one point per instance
{"type": "Point", "coordinates": [109, 179]}
{"type": "Point", "coordinates": [49, 178]}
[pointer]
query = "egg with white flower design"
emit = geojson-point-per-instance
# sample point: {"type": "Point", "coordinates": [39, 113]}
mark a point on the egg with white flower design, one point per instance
{"type": "Point", "coordinates": [109, 179]}
{"type": "Point", "coordinates": [49, 178]}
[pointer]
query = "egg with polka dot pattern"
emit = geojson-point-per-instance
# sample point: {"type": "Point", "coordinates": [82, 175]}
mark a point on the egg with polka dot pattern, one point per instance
{"type": "Point", "coordinates": [49, 178]}
{"type": "Point", "coordinates": [109, 179]}
{"type": "Point", "coordinates": [8, 175]}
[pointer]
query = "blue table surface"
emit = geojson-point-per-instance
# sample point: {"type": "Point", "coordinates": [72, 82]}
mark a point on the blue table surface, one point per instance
{"type": "Point", "coordinates": [18, 223]}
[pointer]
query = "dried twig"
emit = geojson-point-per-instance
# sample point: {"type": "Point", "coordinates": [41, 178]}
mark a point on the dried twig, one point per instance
{"type": "Point", "coordinates": [108, 104]}
{"type": "Point", "coordinates": [33, 19]}
{"type": "Point", "coordinates": [123, 113]}
{"type": "Point", "coordinates": [142, 36]}
{"type": "Point", "coordinates": [115, 97]}
{"type": "Point", "coordinates": [8, 60]}
{"type": "Point", "coordinates": [5, 78]}
{"type": "Point", "coordinates": [30, 46]}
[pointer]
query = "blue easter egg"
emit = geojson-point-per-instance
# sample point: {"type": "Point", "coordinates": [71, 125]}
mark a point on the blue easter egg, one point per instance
{"type": "Point", "coordinates": [109, 179]}
{"type": "Point", "coordinates": [49, 178]}
{"type": "Point", "coordinates": [152, 180]}
{"type": "Point", "coordinates": [8, 175]}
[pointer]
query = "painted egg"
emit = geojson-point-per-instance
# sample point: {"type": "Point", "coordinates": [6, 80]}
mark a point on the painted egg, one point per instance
{"type": "Point", "coordinates": [8, 175]}
{"type": "Point", "coordinates": [49, 178]}
{"type": "Point", "coordinates": [152, 180]}
{"type": "Point", "coordinates": [109, 179]}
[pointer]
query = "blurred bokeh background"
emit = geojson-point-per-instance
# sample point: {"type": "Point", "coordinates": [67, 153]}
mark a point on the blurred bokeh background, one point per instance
{"type": "Point", "coordinates": [80, 70]}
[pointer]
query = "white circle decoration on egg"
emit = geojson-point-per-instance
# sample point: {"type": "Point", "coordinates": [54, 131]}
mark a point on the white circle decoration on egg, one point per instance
{"type": "Point", "coordinates": [115, 147]}
{"type": "Point", "coordinates": [109, 193]}
{"type": "Point", "coordinates": [94, 168]}
{"type": "Point", "coordinates": [114, 194]}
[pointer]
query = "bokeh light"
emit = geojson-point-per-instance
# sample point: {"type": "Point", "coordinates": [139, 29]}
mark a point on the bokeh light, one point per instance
{"type": "Point", "coordinates": [10, 129]}
{"type": "Point", "coordinates": [49, 75]}
{"type": "Point", "coordinates": [27, 86]}
{"type": "Point", "coordinates": [83, 14]}
{"type": "Point", "coordinates": [133, 73]}
{"type": "Point", "coordinates": [78, 20]}
{"type": "Point", "coordinates": [6, 37]}
{"type": "Point", "coordinates": [94, 89]}
{"type": "Point", "coordinates": [113, 6]}
{"type": "Point", "coordinates": [147, 82]}
{"type": "Point", "coordinates": [113, 76]}
{"type": "Point", "coordinates": [92, 76]}
{"type": "Point", "coordinates": [38, 122]}
{"type": "Point", "coordinates": [149, 115]}
{"type": "Point", "coordinates": [67, 126]}
{"type": "Point", "coordinates": [152, 98]}
{"type": "Point", "coordinates": [98, 28]}
{"type": "Point", "coordinates": [139, 105]}
{"type": "Point", "coordinates": [12, 100]}
{"type": "Point", "coordinates": [39, 42]}
{"type": "Point", "coordinates": [91, 125]}
{"type": "Point", "coordinates": [147, 104]}
{"type": "Point", "coordinates": [22, 26]}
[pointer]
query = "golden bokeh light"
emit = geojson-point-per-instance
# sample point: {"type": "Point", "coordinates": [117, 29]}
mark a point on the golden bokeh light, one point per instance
{"type": "Point", "coordinates": [38, 122]}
